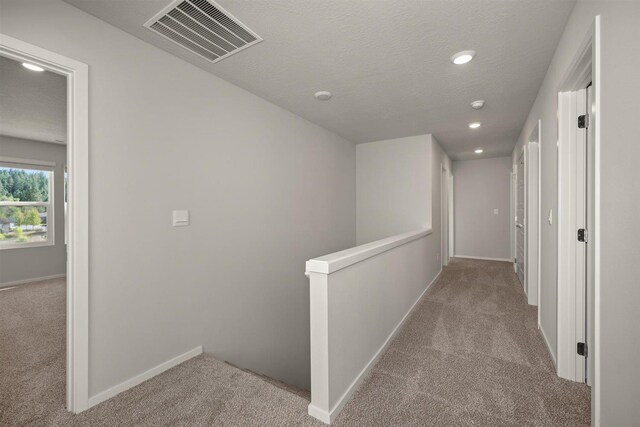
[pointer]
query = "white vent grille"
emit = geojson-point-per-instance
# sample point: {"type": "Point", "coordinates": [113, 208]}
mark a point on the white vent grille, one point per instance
{"type": "Point", "coordinates": [204, 28]}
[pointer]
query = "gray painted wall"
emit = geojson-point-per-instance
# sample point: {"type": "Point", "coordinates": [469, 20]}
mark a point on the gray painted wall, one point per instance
{"type": "Point", "coordinates": [402, 193]}
{"type": "Point", "coordinates": [392, 187]}
{"type": "Point", "coordinates": [266, 189]}
{"type": "Point", "coordinates": [620, 151]}
{"type": "Point", "coordinates": [480, 186]}
{"type": "Point", "coordinates": [32, 263]}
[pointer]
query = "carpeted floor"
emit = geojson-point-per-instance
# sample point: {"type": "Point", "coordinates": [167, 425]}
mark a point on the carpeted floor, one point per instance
{"type": "Point", "coordinates": [471, 354]}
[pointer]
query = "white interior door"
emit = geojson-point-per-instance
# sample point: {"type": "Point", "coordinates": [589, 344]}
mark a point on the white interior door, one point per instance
{"type": "Point", "coordinates": [520, 220]}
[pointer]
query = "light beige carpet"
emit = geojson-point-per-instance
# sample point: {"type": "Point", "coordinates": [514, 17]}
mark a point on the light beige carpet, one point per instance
{"type": "Point", "coordinates": [470, 355]}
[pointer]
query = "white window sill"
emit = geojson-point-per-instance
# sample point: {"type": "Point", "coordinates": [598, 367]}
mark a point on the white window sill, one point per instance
{"type": "Point", "coordinates": [25, 245]}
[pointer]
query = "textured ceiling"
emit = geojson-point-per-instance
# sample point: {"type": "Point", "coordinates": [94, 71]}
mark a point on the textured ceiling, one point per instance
{"type": "Point", "coordinates": [33, 105]}
{"type": "Point", "coordinates": [386, 62]}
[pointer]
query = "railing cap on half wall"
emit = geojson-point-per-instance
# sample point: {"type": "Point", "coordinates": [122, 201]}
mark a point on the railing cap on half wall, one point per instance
{"type": "Point", "coordinates": [331, 263]}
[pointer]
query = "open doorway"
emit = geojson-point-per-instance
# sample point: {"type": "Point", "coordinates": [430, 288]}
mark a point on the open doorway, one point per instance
{"type": "Point", "coordinates": [44, 210]}
{"type": "Point", "coordinates": [33, 251]}
{"type": "Point", "coordinates": [525, 194]}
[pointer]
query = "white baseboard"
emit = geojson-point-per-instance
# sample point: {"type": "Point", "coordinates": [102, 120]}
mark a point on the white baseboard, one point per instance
{"type": "Point", "coordinates": [320, 414]}
{"type": "Point", "coordinates": [138, 379]}
{"type": "Point", "coordinates": [483, 258]}
{"type": "Point", "coordinates": [546, 341]}
{"type": "Point", "coordinates": [328, 418]}
{"type": "Point", "coordinates": [35, 279]}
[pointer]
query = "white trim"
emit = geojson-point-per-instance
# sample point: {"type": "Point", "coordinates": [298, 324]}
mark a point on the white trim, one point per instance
{"type": "Point", "coordinates": [540, 217]}
{"type": "Point", "coordinates": [138, 379]}
{"type": "Point", "coordinates": [30, 245]}
{"type": "Point", "coordinates": [483, 258]}
{"type": "Point", "coordinates": [329, 417]}
{"type": "Point", "coordinates": [77, 74]}
{"type": "Point", "coordinates": [546, 341]}
{"type": "Point", "coordinates": [597, 55]}
{"type": "Point", "coordinates": [27, 162]}
{"type": "Point", "coordinates": [8, 203]}
{"type": "Point", "coordinates": [571, 255]}
{"type": "Point", "coordinates": [444, 215]}
{"type": "Point", "coordinates": [337, 261]}
{"type": "Point", "coordinates": [35, 279]}
{"type": "Point", "coordinates": [586, 63]}
{"type": "Point", "coordinates": [512, 217]}
{"type": "Point", "coordinates": [532, 216]}
{"type": "Point", "coordinates": [524, 159]}
{"type": "Point", "coordinates": [452, 235]}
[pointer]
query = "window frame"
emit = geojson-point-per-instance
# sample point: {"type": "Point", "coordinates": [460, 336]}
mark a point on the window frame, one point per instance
{"type": "Point", "coordinates": [49, 167]}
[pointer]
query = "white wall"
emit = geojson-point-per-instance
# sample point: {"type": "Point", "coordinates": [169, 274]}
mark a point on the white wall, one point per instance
{"type": "Point", "coordinates": [392, 182]}
{"type": "Point", "coordinates": [481, 186]}
{"type": "Point", "coordinates": [23, 264]}
{"type": "Point", "coordinates": [266, 189]}
{"type": "Point", "coordinates": [355, 309]}
{"type": "Point", "coordinates": [620, 252]}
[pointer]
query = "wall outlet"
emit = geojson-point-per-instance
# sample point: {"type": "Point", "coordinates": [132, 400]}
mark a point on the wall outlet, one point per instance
{"type": "Point", "coordinates": [496, 211]}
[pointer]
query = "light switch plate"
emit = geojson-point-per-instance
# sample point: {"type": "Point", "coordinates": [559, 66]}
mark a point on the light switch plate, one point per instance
{"type": "Point", "coordinates": [496, 211]}
{"type": "Point", "coordinates": [180, 218]}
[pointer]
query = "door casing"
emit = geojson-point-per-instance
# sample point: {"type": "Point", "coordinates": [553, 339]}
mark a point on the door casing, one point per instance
{"type": "Point", "coordinates": [444, 215]}
{"type": "Point", "coordinates": [521, 219]}
{"type": "Point", "coordinates": [77, 336]}
{"type": "Point", "coordinates": [578, 314]}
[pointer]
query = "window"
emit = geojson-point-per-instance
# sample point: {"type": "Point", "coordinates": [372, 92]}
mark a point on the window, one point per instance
{"type": "Point", "coordinates": [26, 204]}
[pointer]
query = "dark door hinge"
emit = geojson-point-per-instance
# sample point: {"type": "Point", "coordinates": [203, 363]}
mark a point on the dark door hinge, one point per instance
{"type": "Point", "coordinates": [583, 121]}
{"type": "Point", "coordinates": [582, 235]}
{"type": "Point", "coordinates": [582, 349]}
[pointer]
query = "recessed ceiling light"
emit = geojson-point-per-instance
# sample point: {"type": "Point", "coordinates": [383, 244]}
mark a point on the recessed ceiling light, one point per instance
{"type": "Point", "coordinates": [476, 105]}
{"type": "Point", "coordinates": [478, 151]}
{"type": "Point", "coordinates": [32, 67]}
{"type": "Point", "coordinates": [463, 57]}
{"type": "Point", "coordinates": [323, 95]}
{"type": "Point", "coordinates": [475, 125]}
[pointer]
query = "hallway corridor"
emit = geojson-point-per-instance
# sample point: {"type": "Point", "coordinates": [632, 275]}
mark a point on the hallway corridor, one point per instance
{"type": "Point", "coordinates": [471, 354]}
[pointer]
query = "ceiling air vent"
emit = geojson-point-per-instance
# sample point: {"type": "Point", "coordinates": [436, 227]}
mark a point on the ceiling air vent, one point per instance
{"type": "Point", "coordinates": [203, 27]}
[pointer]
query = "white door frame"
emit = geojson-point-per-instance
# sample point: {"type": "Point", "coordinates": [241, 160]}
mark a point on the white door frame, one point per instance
{"type": "Point", "coordinates": [584, 68]}
{"type": "Point", "coordinates": [451, 218]}
{"type": "Point", "coordinates": [524, 158]}
{"type": "Point", "coordinates": [444, 215]}
{"type": "Point", "coordinates": [77, 75]}
{"type": "Point", "coordinates": [532, 194]}
{"type": "Point", "coordinates": [512, 210]}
